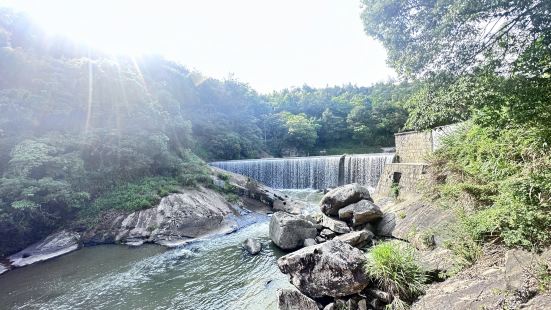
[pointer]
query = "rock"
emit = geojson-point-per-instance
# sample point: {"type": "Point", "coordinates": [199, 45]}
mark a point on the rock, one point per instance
{"type": "Point", "coordinates": [540, 302]}
{"type": "Point", "coordinates": [3, 268]}
{"type": "Point", "coordinates": [309, 242]}
{"type": "Point", "coordinates": [337, 226]}
{"type": "Point", "coordinates": [320, 239]}
{"type": "Point", "coordinates": [362, 304]}
{"type": "Point", "coordinates": [52, 246]}
{"type": "Point", "coordinates": [341, 197]}
{"type": "Point", "coordinates": [330, 306]}
{"type": "Point", "coordinates": [436, 261]}
{"type": "Point", "coordinates": [361, 212]}
{"type": "Point", "coordinates": [488, 284]}
{"type": "Point", "coordinates": [288, 299]}
{"type": "Point", "coordinates": [327, 233]}
{"type": "Point", "coordinates": [357, 239]}
{"type": "Point", "coordinates": [289, 231]}
{"type": "Point", "coordinates": [517, 263]}
{"type": "Point", "coordinates": [333, 269]}
{"type": "Point", "coordinates": [387, 224]}
{"type": "Point", "coordinates": [177, 219]}
{"type": "Point", "coordinates": [252, 246]}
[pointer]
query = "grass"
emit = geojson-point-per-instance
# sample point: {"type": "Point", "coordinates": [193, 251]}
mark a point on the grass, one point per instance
{"type": "Point", "coordinates": [137, 195]}
{"type": "Point", "coordinates": [392, 265]}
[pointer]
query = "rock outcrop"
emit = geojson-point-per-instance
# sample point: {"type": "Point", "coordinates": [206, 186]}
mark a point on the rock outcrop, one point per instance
{"type": "Point", "coordinates": [54, 245]}
{"type": "Point", "coordinates": [333, 269]}
{"type": "Point", "coordinates": [294, 300]}
{"type": "Point", "coordinates": [361, 212]}
{"type": "Point", "coordinates": [177, 219]}
{"type": "Point", "coordinates": [334, 225]}
{"type": "Point", "coordinates": [289, 231]}
{"type": "Point", "coordinates": [500, 279]}
{"type": "Point", "coordinates": [252, 246]}
{"type": "Point", "coordinates": [357, 239]}
{"type": "Point", "coordinates": [341, 197]}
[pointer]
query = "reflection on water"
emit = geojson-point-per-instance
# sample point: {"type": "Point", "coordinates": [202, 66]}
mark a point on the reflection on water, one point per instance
{"type": "Point", "coordinates": [210, 274]}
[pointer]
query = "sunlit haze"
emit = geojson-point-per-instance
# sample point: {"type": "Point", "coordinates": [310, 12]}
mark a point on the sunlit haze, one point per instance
{"type": "Point", "coordinates": [268, 44]}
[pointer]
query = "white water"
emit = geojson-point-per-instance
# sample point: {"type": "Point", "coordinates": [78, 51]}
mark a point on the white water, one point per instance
{"type": "Point", "coordinates": [317, 172]}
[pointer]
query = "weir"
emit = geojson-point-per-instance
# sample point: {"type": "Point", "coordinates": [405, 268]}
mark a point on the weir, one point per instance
{"type": "Point", "coordinates": [318, 172]}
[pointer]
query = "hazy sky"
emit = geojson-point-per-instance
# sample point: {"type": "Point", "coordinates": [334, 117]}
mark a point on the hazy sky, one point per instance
{"type": "Point", "coordinates": [268, 44]}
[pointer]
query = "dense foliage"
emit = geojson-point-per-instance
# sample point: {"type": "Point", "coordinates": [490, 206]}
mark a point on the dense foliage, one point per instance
{"type": "Point", "coordinates": [489, 62]}
{"type": "Point", "coordinates": [310, 119]}
{"type": "Point", "coordinates": [82, 132]}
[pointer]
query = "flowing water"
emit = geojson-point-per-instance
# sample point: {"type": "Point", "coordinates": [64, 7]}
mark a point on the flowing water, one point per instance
{"type": "Point", "coordinates": [317, 172]}
{"type": "Point", "coordinates": [214, 273]}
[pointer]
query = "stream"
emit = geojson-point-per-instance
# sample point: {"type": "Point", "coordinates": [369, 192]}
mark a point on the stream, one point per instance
{"type": "Point", "coordinates": [215, 273]}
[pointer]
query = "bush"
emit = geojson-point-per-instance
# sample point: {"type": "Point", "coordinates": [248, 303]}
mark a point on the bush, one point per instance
{"type": "Point", "coordinates": [136, 196]}
{"type": "Point", "coordinates": [500, 183]}
{"type": "Point", "coordinates": [393, 267]}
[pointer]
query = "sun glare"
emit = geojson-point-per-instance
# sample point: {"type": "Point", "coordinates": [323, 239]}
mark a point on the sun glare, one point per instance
{"type": "Point", "coordinates": [119, 27]}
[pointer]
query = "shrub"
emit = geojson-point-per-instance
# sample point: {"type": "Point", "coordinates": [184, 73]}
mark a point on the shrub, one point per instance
{"type": "Point", "coordinates": [136, 196]}
{"type": "Point", "coordinates": [393, 267]}
{"type": "Point", "coordinates": [499, 180]}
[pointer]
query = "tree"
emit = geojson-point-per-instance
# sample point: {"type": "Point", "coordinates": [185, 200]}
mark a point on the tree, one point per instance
{"type": "Point", "coordinates": [456, 36]}
{"type": "Point", "coordinates": [301, 131]}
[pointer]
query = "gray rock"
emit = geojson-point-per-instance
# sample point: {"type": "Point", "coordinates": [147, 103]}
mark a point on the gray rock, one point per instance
{"type": "Point", "coordinates": [52, 246]}
{"type": "Point", "coordinates": [337, 226]}
{"type": "Point", "coordinates": [387, 224]}
{"type": "Point", "coordinates": [327, 233]}
{"type": "Point", "coordinates": [177, 219]}
{"type": "Point", "coordinates": [289, 231]}
{"type": "Point", "coordinates": [309, 242]}
{"type": "Point", "coordinates": [362, 304]}
{"type": "Point", "coordinates": [252, 246]}
{"type": "Point", "coordinates": [357, 239]}
{"type": "Point", "coordinates": [361, 212]}
{"type": "Point", "coordinates": [333, 269]}
{"type": "Point", "coordinates": [341, 197]}
{"type": "Point", "coordinates": [330, 306]}
{"type": "Point", "coordinates": [320, 239]}
{"type": "Point", "coordinates": [438, 260]}
{"type": "Point", "coordinates": [3, 268]}
{"type": "Point", "coordinates": [288, 299]}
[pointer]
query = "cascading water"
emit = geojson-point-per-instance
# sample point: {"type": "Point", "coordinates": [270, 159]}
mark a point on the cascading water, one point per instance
{"type": "Point", "coordinates": [317, 172]}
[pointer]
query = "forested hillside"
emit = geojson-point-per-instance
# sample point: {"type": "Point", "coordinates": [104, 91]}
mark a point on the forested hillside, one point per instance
{"type": "Point", "coordinates": [82, 132]}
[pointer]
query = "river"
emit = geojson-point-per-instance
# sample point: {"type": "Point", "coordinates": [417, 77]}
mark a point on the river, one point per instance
{"type": "Point", "coordinates": [215, 273]}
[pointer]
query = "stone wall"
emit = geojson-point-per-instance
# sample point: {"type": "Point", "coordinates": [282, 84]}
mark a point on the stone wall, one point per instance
{"type": "Point", "coordinates": [407, 175]}
{"type": "Point", "coordinates": [409, 167]}
{"type": "Point", "coordinates": [412, 147]}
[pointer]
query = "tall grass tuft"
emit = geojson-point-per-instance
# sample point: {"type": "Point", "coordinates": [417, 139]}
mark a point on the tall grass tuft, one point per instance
{"type": "Point", "coordinates": [392, 265]}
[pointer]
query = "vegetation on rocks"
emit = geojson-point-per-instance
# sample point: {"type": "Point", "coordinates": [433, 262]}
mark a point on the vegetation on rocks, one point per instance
{"type": "Point", "coordinates": [393, 267]}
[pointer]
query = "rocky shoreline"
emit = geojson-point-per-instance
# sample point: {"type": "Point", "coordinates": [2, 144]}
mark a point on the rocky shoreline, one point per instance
{"type": "Point", "coordinates": [326, 263]}
{"type": "Point", "coordinates": [178, 219]}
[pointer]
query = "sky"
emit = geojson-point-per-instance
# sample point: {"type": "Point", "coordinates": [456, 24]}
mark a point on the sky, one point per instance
{"type": "Point", "coordinates": [270, 45]}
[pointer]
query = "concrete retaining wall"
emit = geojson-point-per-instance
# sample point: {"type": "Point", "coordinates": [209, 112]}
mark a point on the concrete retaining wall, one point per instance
{"type": "Point", "coordinates": [407, 176]}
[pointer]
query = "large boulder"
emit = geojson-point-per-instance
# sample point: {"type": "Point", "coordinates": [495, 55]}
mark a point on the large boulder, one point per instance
{"type": "Point", "coordinates": [337, 226]}
{"type": "Point", "coordinates": [361, 212]}
{"type": "Point", "coordinates": [333, 269]}
{"type": "Point", "coordinates": [289, 231]}
{"type": "Point", "coordinates": [178, 218]}
{"type": "Point", "coordinates": [357, 239]}
{"type": "Point", "coordinates": [54, 245]}
{"type": "Point", "coordinates": [341, 197]}
{"type": "Point", "coordinates": [288, 299]}
{"type": "Point", "coordinates": [252, 246]}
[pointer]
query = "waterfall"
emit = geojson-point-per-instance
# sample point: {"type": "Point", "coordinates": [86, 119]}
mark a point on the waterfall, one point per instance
{"type": "Point", "coordinates": [317, 172]}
